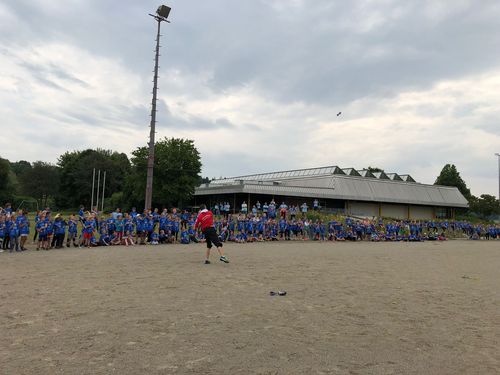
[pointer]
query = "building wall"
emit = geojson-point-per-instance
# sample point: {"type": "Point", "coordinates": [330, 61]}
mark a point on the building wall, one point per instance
{"type": "Point", "coordinates": [421, 212]}
{"type": "Point", "coordinates": [396, 211]}
{"type": "Point", "coordinates": [363, 209]}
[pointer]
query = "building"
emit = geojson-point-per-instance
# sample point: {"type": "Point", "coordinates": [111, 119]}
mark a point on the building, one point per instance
{"type": "Point", "coordinates": [349, 191]}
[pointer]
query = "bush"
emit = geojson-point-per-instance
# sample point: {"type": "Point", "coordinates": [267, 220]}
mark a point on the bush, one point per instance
{"type": "Point", "coordinates": [116, 200]}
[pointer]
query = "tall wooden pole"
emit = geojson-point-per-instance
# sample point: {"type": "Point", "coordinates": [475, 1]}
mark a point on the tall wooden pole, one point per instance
{"type": "Point", "coordinates": [103, 187]}
{"type": "Point", "coordinates": [151, 157]}
{"type": "Point", "coordinates": [93, 183]}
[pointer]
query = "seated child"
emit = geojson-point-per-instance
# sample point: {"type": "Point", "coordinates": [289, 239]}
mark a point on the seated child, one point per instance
{"type": "Point", "coordinates": [162, 237]}
{"type": "Point", "coordinates": [104, 240]}
{"type": "Point", "coordinates": [340, 236]}
{"type": "Point", "coordinates": [127, 239]}
{"type": "Point", "coordinates": [93, 241]}
{"type": "Point", "coordinates": [154, 239]}
{"type": "Point", "coordinates": [185, 237]}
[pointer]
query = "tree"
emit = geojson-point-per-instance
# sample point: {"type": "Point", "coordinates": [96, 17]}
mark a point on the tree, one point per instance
{"type": "Point", "coordinates": [374, 169]}
{"type": "Point", "coordinates": [485, 206]}
{"type": "Point", "coordinates": [6, 183]}
{"type": "Point", "coordinates": [19, 167]}
{"type": "Point", "coordinates": [176, 171]}
{"type": "Point", "coordinates": [450, 176]}
{"type": "Point", "coordinates": [40, 182]}
{"type": "Point", "coordinates": [77, 170]}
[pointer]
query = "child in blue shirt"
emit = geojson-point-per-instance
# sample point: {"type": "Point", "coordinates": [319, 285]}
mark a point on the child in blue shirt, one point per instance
{"type": "Point", "coordinates": [104, 239]}
{"type": "Point", "coordinates": [14, 235]}
{"type": "Point", "coordinates": [185, 237]}
{"type": "Point", "coordinates": [139, 230]}
{"type": "Point", "coordinates": [2, 231]}
{"type": "Point", "coordinates": [88, 231]}
{"type": "Point", "coordinates": [59, 232]}
{"type": "Point", "coordinates": [162, 237]}
{"type": "Point", "coordinates": [24, 228]}
{"type": "Point", "coordinates": [175, 228]}
{"type": "Point", "coordinates": [72, 231]}
{"type": "Point", "coordinates": [154, 239]}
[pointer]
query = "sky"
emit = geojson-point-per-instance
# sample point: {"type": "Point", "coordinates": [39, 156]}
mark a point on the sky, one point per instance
{"type": "Point", "coordinates": [258, 84]}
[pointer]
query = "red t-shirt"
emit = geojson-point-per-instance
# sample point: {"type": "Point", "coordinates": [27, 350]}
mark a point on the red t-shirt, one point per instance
{"type": "Point", "coordinates": [205, 220]}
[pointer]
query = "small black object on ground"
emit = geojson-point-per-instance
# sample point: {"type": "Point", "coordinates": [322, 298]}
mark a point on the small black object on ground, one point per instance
{"type": "Point", "coordinates": [278, 293]}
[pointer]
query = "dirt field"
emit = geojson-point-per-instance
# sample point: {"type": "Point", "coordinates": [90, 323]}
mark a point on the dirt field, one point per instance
{"type": "Point", "coordinates": [351, 308]}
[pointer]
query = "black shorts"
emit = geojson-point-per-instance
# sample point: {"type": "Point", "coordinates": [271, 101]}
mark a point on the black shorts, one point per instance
{"type": "Point", "coordinates": [212, 238]}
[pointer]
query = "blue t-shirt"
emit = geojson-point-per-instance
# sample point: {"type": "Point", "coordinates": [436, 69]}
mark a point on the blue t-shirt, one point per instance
{"type": "Point", "coordinates": [59, 227]}
{"type": "Point", "coordinates": [72, 226]}
{"type": "Point", "coordinates": [23, 224]}
{"type": "Point", "coordinates": [13, 230]}
{"type": "Point", "coordinates": [185, 237]}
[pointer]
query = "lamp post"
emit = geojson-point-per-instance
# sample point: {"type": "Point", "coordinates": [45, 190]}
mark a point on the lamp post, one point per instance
{"type": "Point", "coordinates": [161, 15]}
{"type": "Point", "coordinates": [498, 156]}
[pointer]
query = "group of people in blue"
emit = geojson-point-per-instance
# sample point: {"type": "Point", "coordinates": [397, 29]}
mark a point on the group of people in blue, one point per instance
{"type": "Point", "coordinates": [249, 228]}
{"type": "Point", "coordinates": [266, 222]}
{"type": "Point", "coordinates": [14, 229]}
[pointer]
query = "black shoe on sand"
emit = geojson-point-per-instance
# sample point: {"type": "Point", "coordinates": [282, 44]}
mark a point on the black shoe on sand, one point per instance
{"type": "Point", "coordinates": [207, 261]}
{"type": "Point", "coordinates": [224, 259]}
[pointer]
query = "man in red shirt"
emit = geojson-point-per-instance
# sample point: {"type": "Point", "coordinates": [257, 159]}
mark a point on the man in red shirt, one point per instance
{"type": "Point", "coordinates": [205, 221]}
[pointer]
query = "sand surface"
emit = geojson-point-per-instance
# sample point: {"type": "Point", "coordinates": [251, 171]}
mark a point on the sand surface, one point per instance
{"type": "Point", "coordinates": [351, 308]}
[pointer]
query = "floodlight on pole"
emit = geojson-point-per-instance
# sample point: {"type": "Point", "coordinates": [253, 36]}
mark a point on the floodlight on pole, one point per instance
{"type": "Point", "coordinates": [498, 156]}
{"type": "Point", "coordinates": [161, 16]}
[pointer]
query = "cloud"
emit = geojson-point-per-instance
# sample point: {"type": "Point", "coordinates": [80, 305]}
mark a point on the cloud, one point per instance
{"type": "Point", "coordinates": [258, 84]}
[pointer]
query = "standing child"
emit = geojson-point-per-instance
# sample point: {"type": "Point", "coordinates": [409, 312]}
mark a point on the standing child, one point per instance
{"type": "Point", "coordinates": [59, 231]}
{"type": "Point", "coordinates": [6, 233]}
{"type": "Point", "coordinates": [72, 231]}
{"type": "Point", "coordinates": [175, 228]}
{"type": "Point", "coordinates": [88, 231]}
{"type": "Point", "coordinates": [2, 230]}
{"type": "Point", "coordinates": [14, 235]}
{"type": "Point", "coordinates": [23, 226]}
{"type": "Point", "coordinates": [119, 228]}
{"type": "Point", "coordinates": [139, 229]}
{"type": "Point", "coordinates": [39, 228]}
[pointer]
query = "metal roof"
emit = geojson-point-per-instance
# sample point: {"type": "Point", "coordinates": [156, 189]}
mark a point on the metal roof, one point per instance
{"type": "Point", "coordinates": [394, 177]}
{"type": "Point", "coordinates": [282, 175]}
{"type": "Point", "coordinates": [407, 178]}
{"type": "Point", "coordinates": [366, 173]}
{"type": "Point", "coordinates": [329, 183]}
{"type": "Point", "coordinates": [381, 176]}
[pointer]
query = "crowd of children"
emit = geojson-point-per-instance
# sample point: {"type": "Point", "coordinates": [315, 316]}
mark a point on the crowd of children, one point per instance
{"type": "Point", "coordinates": [248, 228]}
{"type": "Point", "coordinates": [267, 222]}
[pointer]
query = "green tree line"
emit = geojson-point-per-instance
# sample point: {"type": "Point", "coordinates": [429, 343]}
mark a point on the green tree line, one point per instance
{"type": "Point", "coordinates": [68, 183]}
{"type": "Point", "coordinates": [484, 206]}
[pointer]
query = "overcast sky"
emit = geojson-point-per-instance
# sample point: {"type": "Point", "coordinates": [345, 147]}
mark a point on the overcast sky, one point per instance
{"type": "Point", "coordinates": [258, 84]}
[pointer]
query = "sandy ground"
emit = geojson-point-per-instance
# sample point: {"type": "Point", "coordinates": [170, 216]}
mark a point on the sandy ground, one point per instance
{"type": "Point", "coordinates": [351, 308]}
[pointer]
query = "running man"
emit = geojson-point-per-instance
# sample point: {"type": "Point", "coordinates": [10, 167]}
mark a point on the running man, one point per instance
{"type": "Point", "coordinates": [205, 221]}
